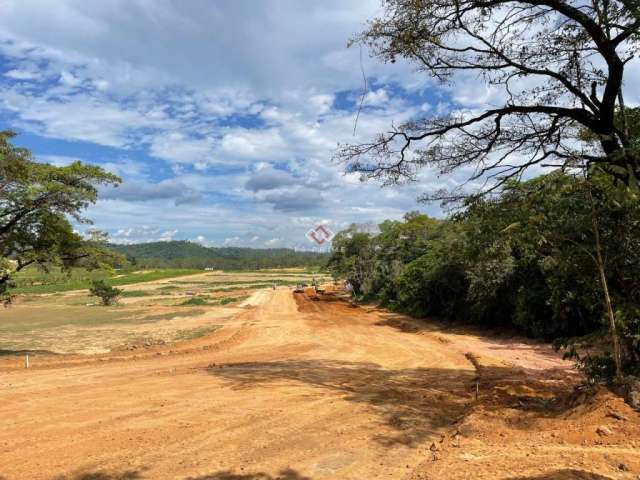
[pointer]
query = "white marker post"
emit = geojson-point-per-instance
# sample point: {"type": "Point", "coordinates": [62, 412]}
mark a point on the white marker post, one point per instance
{"type": "Point", "coordinates": [26, 361]}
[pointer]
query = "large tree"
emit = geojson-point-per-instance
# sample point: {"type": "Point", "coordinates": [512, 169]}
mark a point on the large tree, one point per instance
{"type": "Point", "coordinates": [558, 67]}
{"type": "Point", "coordinates": [36, 203]}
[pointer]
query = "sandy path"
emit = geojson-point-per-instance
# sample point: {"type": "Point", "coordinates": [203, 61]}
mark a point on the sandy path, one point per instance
{"type": "Point", "coordinates": [313, 390]}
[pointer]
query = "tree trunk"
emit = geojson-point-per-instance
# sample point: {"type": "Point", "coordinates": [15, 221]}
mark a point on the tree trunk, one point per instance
{"type": "Point", "coordinates": [617, 358]}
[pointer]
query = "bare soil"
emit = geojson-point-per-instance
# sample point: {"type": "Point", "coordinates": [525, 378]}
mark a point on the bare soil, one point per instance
{"type": "Point", "coordinates": [292, 388]}
{"type": "Point", "coordinates": [153, 312]}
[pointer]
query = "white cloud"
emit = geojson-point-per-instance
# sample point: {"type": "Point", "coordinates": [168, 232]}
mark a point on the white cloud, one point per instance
{"type": "Point", "coordinates": [126, 167]}
{"type": "Point", "coordinates": [321, 103]}
{"type": "Point", "coordinates": [223, 133]}
{"type": "Point", "coordinates": [17, 74]}
{"type": "Point", "coordinates": [176, 147]}
{"type": "Point", "coordinates": [80, 117]}
{"type": "Point", "coordinates": [273, 242]}
{"type": "Point", "coordinates": [376, 98]}
{"type": "Point", "coordinates": [139, 191]}
{"type": "Point", "coordinates": [289, 44]}
{"type": "Point", "coordinates": [268, 178]}
{"type": "Point", "coordinates": [69, 80]}
{"type": "Point", "coordinates": [168, 235]}
{"type": "Point", "coordinates": [247, 144]}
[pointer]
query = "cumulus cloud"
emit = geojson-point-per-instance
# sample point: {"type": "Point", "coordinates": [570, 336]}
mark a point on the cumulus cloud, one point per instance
{"type": "Point", "coordinates": [176, 147]}
{"type": "Point", "coordinates": [226, 148]}
{"type": "Point", "coordinates": [17, 74]}
{"type": "Point", "coordinates": [299, 200]}
{"type": "Point", "coordinates": [139, 234]}
{"type": "Point", "coordinates": [80, 117]}
{"type": "Point", "coordinates": [258, 144]}
{"type": "Point", "coordinates": [157, 44]}
{"type": "Point", "coordinates": [269, 178]}
{"type": "Point", "coordinates": [376, 98]}
{"type": "Point", "coordinates": [135, 191]}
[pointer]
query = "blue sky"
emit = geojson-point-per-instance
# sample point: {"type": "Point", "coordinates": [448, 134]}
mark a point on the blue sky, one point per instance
{"type": "Point", "coordinates": [221, 117]}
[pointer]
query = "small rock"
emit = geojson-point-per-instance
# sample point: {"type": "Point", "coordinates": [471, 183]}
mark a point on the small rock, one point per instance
{"type": "Point", "coordinates": [603, 431]}
{"type": "Point", "coordinates": [623, 468]}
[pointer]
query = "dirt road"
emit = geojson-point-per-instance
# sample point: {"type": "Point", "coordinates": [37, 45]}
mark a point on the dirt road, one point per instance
{"type": "Point", "coordinates": [294, 389]}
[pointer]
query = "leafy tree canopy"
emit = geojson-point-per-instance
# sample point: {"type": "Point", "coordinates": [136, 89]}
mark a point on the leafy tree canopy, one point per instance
{"type": "Point", "coordinates": [526, 258]}
{"type": "Point", "coordinates": [36, 202]}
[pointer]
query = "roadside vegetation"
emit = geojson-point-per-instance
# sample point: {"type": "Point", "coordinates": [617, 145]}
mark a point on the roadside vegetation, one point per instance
{"type": "Point", "coordinates": [557, 256]}
{"type": "Point", "coordinates": [526, 259]}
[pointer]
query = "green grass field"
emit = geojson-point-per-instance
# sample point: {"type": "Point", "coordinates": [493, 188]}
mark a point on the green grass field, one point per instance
{"type": "Point", "coordinates": [36, 281]}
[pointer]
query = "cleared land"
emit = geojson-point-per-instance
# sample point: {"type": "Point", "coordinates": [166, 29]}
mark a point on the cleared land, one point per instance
{"type": "Point", "coordinates": [169, 305]}
{"type": "Point", "coordinates": [295, 389]}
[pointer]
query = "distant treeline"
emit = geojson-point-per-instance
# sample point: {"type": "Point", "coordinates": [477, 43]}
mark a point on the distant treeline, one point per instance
{"type": "Point", "coordinates": [526, 259]}
{"type": "Point", "coordinates": [185, 254]}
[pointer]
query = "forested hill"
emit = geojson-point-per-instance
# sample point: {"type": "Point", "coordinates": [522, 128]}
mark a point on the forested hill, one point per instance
{"type": "Point", "coordinates": [184, 254]}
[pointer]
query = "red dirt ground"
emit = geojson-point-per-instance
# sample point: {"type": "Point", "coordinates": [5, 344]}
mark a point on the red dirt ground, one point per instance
{"type": "Point", "coordinates": [295, 389]}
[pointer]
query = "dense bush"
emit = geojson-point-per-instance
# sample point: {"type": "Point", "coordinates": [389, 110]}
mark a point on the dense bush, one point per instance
{"type": "Point", "coordinates": [524, 259]}
{"type": "Point", "coordinates": [107, 294]}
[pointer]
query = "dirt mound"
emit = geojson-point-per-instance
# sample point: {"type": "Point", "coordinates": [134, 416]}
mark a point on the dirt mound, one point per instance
{"type": "Point", "coordinates": [595, 440]}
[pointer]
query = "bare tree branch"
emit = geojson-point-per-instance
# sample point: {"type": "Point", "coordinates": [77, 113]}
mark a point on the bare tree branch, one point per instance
{"type": "Point", "coordinates": [548, 58]}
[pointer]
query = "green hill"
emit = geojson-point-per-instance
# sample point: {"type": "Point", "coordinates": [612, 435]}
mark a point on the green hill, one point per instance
{"type": "Point", "coordinates": [184, 254]}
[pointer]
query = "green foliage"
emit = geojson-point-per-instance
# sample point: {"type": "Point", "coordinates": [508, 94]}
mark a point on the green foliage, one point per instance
{"type": "Point", "coordinates": [134, 293]}
{"type": "Point", "coordinates": [107, 294]}
{"type": "Point", "coordinates": [629, 121]}
{"type": "Point", "coordinates": [184, 254]}
{"type": "Point", "coordinates": [195, 301]}
{"type": "Point", "coordinates": [524, 259]}
{"type": "Point", "coordinates": [433, 284]}
{"type": "Point", "coordinates": [36, 201]}
{"type": "Point", "coordinates": [228, 300]}
{"type": "Point", "coordinates": [33, 280]}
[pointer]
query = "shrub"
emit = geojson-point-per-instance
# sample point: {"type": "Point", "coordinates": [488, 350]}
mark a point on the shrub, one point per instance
{"type": "Point", "coordinates": [107, 294]}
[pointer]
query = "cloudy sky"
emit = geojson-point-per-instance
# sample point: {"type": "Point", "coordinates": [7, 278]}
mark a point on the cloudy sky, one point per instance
{"type": "Point", "coordinates": [220, 116]}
